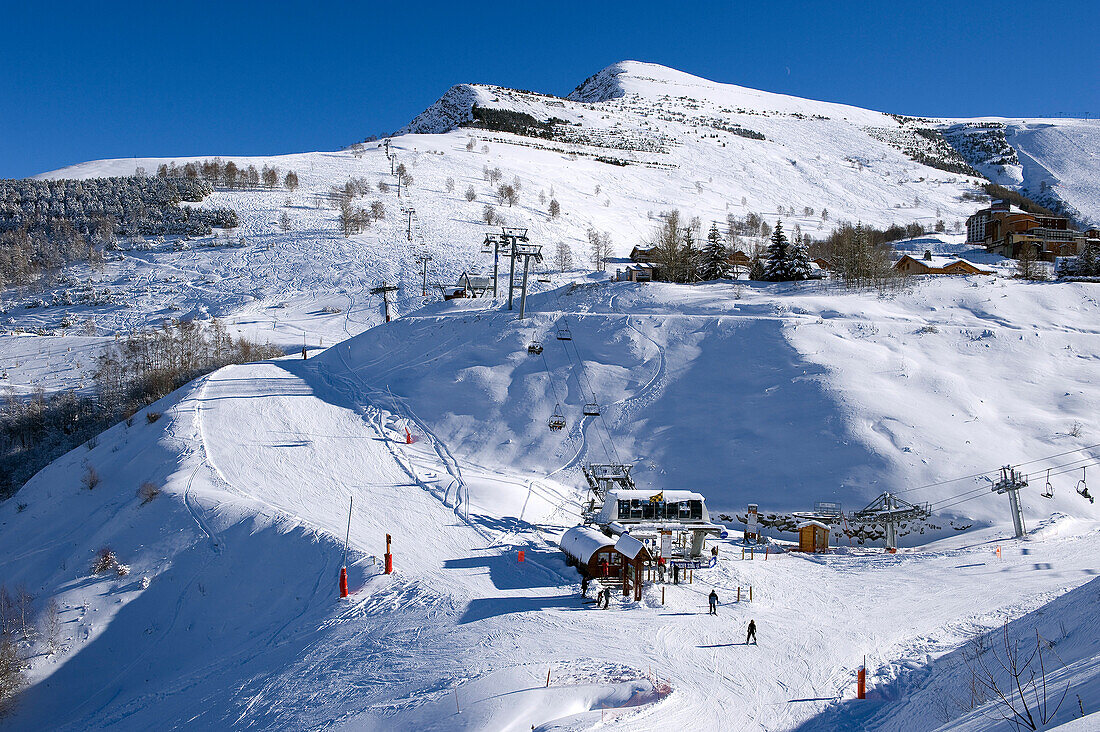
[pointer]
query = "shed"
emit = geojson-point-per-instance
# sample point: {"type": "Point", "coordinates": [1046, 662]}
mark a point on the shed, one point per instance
{"type": "Point", "coordinates": [635, 556]}
{"type": "Point", "coordinates": [813, 537]}
{"type": "Point", "coordinates": [592, 552]}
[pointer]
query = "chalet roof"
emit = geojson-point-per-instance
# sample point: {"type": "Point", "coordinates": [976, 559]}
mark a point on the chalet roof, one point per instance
{"type": "Point", "coordinates": [584, 541]}
{"type": "Point", "coordinates": [936, 262]}
{"type": "Point", "coordinates": [645, 495]}
{"type": "Point", "coordinates": [804, 524]}
{"type": "Point", "coordinates": [628, 546]}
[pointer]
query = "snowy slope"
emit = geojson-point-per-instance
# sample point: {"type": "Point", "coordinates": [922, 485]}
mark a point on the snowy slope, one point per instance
{"type": "Point", "coordinates": [239, 626]}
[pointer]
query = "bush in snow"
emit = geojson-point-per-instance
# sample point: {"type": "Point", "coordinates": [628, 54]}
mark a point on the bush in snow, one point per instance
{"type": "Point", "coordinates": [104, 561]}
{"type": "Point", "coordinates": [471, 194]}
{"type": "Point", "coordinates": [91, 478]}
{"type": "Point", "coordinates": [152, 417]}
{"type": "Point", "coordinates": [148, 491]}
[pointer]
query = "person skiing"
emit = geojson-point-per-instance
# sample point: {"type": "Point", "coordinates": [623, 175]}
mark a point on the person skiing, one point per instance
{"type": "Point", "coordinates": [584, 586]}
{"type": "Point", "coordinates": [752, 633]}
{"type": "Point", "coordinates": [713, 602]}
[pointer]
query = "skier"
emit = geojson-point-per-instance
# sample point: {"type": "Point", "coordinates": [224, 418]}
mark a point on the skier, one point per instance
{"type": "Point", "coordinates": [584, 587]}
{"type": "Point", "coordinates": [713, 602]}
{"type": "Point", "coordinates": [752, 633]}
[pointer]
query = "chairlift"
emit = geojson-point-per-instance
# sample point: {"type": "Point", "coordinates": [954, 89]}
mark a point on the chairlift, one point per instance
{"type": "Point", "coordinates": [564, 334]}
{"type": "Point", "coordinates": [542, 276]}
{"type": "Point", "coordinates": [591, 409]}
{"type": "Point", "coordinates": [535, 348]}
{"type": "Point", "coordinates": [557, 419]}
{"type": "Point", "coordinates": [1048, 492]}
{"type": "Point", "coordinates": [1083, 489]}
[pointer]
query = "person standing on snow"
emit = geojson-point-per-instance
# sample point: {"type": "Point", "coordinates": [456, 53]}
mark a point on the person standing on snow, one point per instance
{"type": "Point", "coordinates": [752, 633]}
{"type": "Point", "coordinates": [713, 602]}
{"type": "Point", "coordinates": [584, 586]}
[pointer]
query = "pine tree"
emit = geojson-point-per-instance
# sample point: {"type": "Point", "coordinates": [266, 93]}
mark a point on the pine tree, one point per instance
{"type": "Point", "coordinates": [715, 264]}
{"type": "Point", "coordinates": [798, 267]}
{"type": "Point", "coordinates": [776, 268]}
{"type": "Point", "coordinates": [690, 258]}
{"type": "Point", "coordinates": [1088, 262]}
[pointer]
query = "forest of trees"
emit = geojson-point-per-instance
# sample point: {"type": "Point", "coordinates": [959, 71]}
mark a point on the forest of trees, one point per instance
{"type": "Point", "coordinates": [133, 373]}
{"type": "Point", "coordinates": [228, 174]}
{"type": "Point", "coordinates": [45, 224]}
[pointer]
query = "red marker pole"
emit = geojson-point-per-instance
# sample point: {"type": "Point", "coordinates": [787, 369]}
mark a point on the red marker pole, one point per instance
{"type": "Point", "coordinates": [408, 437]}
{"type": "Point", "coordinates": [521, 555]}
{"type": "Point", "coordinates": [344, 563]}
{"type": "Point", "coordinates": [389, 556]}
{"type": "Point", "coordinates": [861, 680]}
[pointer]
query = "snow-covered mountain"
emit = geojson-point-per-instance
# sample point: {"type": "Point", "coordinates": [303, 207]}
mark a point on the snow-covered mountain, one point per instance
{"type": "Point", "coordinates": [780, 394]}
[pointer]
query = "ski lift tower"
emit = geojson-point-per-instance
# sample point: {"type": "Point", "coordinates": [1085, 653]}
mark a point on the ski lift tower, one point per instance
{"type": "Point", "coordinates": [423, 260]}
{"type": "Point", "coordinates": [514, 236]}
{"type": "Point", "coordinates": [1011, 482]}
{"type": "Point", "coordinates": [528, 252]}
{"type": "Point", "coordinates": [890, 510]}
{"type": "Point", "coordinates": [384, 290]}
{"type": "Point", "coordinates": [496, 245]}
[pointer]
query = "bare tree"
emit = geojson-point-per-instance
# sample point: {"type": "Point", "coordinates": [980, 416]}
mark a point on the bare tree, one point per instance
{"type": "Point", "coordinates": [471, 143]}
{"type": "Point", "coordinates": [49, 624]}
{"type": "Point", "coordinates": [599, 248]}
{"type": "Point", "coordinates": [555, 208]}
{"type": "Point", "coordinates": [1015, 679]}
{"type": "Point", "coordinates": [284, 222]}
{"type": "Point", "coordinates": [291, 180]}
{"type": "Point", "coordinates": [11, 674]}
{"type": "Point", "coordinates": [450, 185]}
{"type": "Point", "coordinates": [563, 257]}
{"type": "Point", "coordinates": [489, 214]}
{"type": "Point", "coordinates": [507, 193]}
{"type": "Point", "coordinates": [471, 194]}
{"type": "Point", "coordinates": [270, 177]}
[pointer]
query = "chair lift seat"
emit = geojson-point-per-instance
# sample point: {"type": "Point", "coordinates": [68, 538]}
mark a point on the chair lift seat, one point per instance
{"type": "Point", "coordinates": [535, 348]}
{"type": "Point", "coordinates": [591, 409]}
{"type": "Point", "coordinates": [564, 334]}
{"type": "Point", "coordinates": [557, 422]}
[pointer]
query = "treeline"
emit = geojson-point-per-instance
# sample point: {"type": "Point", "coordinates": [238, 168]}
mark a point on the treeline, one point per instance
{"type": "Point", "coordinates": [46, 224]}
{"type": "Point", "coordinates": [131, 374]}
{"type": "Point", "coordinates": [228, 174]}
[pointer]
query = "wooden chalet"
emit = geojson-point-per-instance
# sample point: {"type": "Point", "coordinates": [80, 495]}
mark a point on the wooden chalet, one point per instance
{"type": "Point", "coordinates": [599, 556]}
{"type": "Point", "coordinates": [932, 265]}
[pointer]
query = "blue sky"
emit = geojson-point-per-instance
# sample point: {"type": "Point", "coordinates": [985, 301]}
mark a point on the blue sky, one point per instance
{"type": "Point", "coordinates": [88, 80]}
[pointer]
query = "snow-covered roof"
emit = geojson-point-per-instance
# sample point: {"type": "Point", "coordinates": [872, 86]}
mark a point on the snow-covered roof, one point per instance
{"type": "Point", "coordinates": [645, 495]}
{"type": "Point", "coordinates": [628, 546]}
{"type": "Point", "coordinates": [582, 542]}
{"type": "Point", "coordinates": [804, 524]}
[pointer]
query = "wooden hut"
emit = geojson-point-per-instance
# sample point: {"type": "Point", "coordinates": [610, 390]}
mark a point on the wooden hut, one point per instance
{"type": "Point", "coordinates": [634, 557]}
{"type": "Point", "coordinates": [592, 552]}
{"type": "Point", "coordinates": [813, 537]}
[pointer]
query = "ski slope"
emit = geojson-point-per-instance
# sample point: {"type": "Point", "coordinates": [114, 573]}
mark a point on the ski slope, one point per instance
{"type": "Point", "coordinates": [239, 624]}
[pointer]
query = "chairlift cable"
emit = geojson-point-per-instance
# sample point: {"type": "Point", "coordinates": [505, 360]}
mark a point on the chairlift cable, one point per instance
{"type": "Point", "coordinates": [584, 373]}
{"type": "Point", "coordinates": [995, 470]}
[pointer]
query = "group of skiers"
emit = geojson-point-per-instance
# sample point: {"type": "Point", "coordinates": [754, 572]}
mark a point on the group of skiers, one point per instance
{"type": "Point", "coordinates": [714, 611]}
{"type": "Point", "coordinates": [603, 601]}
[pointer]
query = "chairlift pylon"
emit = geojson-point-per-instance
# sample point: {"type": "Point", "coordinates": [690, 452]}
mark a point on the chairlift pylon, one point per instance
{"type": "Point", "coordinates": [564, 334]}
{"type": "Point", "coordinates": [1048, 491]}
{"type": "Point", "coordinates": [591, 409]}
{"type": "Point", "coordinates": [1083, 488]}
{"type": "Point", "coordinates": [557, 419]}
{"type": "Point", "coordinates": [535, 348]}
